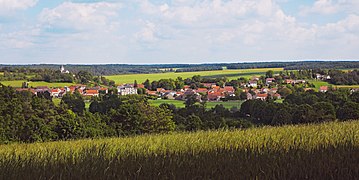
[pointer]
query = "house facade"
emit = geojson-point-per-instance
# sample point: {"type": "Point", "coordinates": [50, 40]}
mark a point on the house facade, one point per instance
{"type": "Point", "coordinates": [126, 90]}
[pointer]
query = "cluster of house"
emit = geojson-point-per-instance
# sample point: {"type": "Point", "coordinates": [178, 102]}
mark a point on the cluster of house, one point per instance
{"type": "Point", "coordinates": [60, 92]}
{"type": "Point", "coordinates": [211, 91]}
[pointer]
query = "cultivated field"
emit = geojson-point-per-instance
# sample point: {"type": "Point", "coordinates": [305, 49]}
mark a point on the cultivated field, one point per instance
{"type": "Point", "coordinates": [231, 74]}
{"type": "Point", "coordinates": [180, 104]}
{"type": "Point", "coordinates": [35, 84]}
{"type": "Point", "coordinates": [322, 151]}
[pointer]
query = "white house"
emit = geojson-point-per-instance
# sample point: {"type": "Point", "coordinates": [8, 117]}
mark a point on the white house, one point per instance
{"type": "Point", "coordinates": [253, 84]}
{"type": "Point", "coordinates": [126, 90]}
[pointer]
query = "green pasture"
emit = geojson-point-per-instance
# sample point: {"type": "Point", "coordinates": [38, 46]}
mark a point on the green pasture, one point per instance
{"type": "Point", "coordinates": [231, 74]}
{"type": "Point", "coordinates": [180, 104]}
{"type": "Point", "coordinates": [18, 83]}
{"type": "Point", "coordinates": [323, 83]}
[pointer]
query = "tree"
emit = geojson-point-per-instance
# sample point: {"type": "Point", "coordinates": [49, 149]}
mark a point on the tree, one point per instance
{"type": "Point", "coordinates": [74, 101]}
{"type": "Point", "coordinates": [84, 77]}
{"type": "Point", "coordinates": [324, 111]}
{"type": "Point", "coordinates": [147, 84]}
{"type": "Point", "coordinates": [139, 118]}
{"type": "Point", "coordinates": [193, 123]}
{"type": "Point", "coordinates": [68, 125]}
{"type": "Point", "coordinates": [243, 96]}
{"type": "Point", "coordinates": [349, 111]}
{"type": "Point", "coordinates": [303, 114]}
{"type": "Point", "coordinates": [269, 74]}
{"type": "Point", "coordinates": [354, 97]}
{"type": "Point", "coordinates": [135, 84]}
{"type": "Point", "coordinates": [281, 117]}
{"type": "Point", "coordinates": [191, 100]}
{"type": "Point", "coordinates": [284, 91]}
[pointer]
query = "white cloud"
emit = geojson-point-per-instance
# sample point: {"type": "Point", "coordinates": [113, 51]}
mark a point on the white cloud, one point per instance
{"type": "Point", "coordinates": [321, 7]}
{"type": "Point", "coordinates": [149, 31]}
{"type": "Point", "coordinates": [10, 5]}
{"type": "Point", "coordinates": [80, 16]}
{"type": "Point", "coordinates": [147, 34]}
{"type": "Point", "coordinates": [19, 39]}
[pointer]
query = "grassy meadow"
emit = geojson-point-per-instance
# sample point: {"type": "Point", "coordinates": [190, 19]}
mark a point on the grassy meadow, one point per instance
{"type": "Point", "coordinates": [180, 104]}
{"type": "Point", "coordinates": [321, 151]}
{"type": "Point", "coordinates": [18, 83]}
{"type": "Point", "coordinates": [231, 74]}
{"type": "Point", "coordinates": [322, 83]}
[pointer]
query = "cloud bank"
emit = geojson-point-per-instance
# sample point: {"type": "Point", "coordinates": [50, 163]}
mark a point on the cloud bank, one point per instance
{"type": "Point", "coordinates": [180, 31]}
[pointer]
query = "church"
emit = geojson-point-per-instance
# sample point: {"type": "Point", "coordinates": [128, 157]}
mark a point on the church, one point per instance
{"type": "Point", "coordinates": [62, 69]}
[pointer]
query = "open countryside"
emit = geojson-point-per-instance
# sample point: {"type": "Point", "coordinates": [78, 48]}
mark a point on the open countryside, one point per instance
{"type": "Point", "coordinates": [130, 78]}
{"type": "Point", "coordinates": [230, 74]}
{"type": "Point", "coordinates": [253, 127]}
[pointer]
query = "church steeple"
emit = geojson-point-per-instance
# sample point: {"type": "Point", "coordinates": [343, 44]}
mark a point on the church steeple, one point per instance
{"type": "Point", "coordinates": [62, 69]}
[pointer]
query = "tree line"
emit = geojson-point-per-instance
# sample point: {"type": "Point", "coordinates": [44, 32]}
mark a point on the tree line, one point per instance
{"type": "Point", "coordinates": [339, 77]}
{"type": "Point", "coordinates": [114, 69]}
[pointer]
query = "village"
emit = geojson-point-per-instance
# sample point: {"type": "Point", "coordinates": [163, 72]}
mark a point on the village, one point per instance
{"type": "Point", "coordinates": [208, 91]}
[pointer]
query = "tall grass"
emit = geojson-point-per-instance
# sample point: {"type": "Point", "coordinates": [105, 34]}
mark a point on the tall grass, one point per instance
{"type": "Point", "coordinates": [324, 151]}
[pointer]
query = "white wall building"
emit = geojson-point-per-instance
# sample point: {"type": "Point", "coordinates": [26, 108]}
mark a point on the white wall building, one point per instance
{"type": "Point", "coordinates": [126, 90]}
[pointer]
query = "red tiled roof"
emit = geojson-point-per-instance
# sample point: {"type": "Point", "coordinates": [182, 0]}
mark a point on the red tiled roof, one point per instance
{"type": "Point", "coordinates": [160, 89]}
{"type": "Point", "coordinates": [55, 90]}
{"type": "Point", "coordinates": [323, 88]}
{"type": "Point", "coordinates": [228, 88]}
{"type": "Point", "coordinates": [202, 90]}
{"type": "Point", "coordinates": [91, 91]}
{"type": "Point", "coordinates": [262, 95]}
{"type": "Point", "coordinates": [152, 92]}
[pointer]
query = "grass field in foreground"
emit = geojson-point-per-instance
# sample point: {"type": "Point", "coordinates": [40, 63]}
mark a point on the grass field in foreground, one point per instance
{"type": "Point", "coordinates": [180, 104]}
{"type": "Point", "coordinates": [18, 83]}
{"type": "Point", "coordinates": [321, 151]}
{"type": "Point", "coordinates": [231, 74]}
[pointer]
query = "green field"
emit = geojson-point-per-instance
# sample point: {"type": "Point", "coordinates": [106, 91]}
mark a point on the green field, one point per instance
{"type": "Point", "coordinates": [321, 151]}
{"type": "Point", "coordinates": [346, 86]}
{"type": "Point", "coordinates": [180, 104]}
{"type": "Point", "coordinates": [322, 83]}
{"type": "Point", "coordinates": [231, 74]}
{"type": "Point", "coordinates": [35, 84]}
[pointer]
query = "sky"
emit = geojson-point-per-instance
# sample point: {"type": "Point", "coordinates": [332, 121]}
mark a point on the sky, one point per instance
{"type": "Point", "coordinates": [177, 31]}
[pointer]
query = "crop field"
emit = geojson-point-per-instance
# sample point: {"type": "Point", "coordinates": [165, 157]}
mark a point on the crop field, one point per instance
{"type": "Point", "coordinates": [321, 151]}
{"type": "Point", "coordinates": [180, 104]}
{"type": "Point", "coordinates": [231, 74]}
{"type": "Point", "coordinates": [35, 84]}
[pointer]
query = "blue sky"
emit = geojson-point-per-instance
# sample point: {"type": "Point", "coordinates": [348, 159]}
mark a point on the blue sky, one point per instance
{"type": "Point", "coordinates": [177, 31]}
